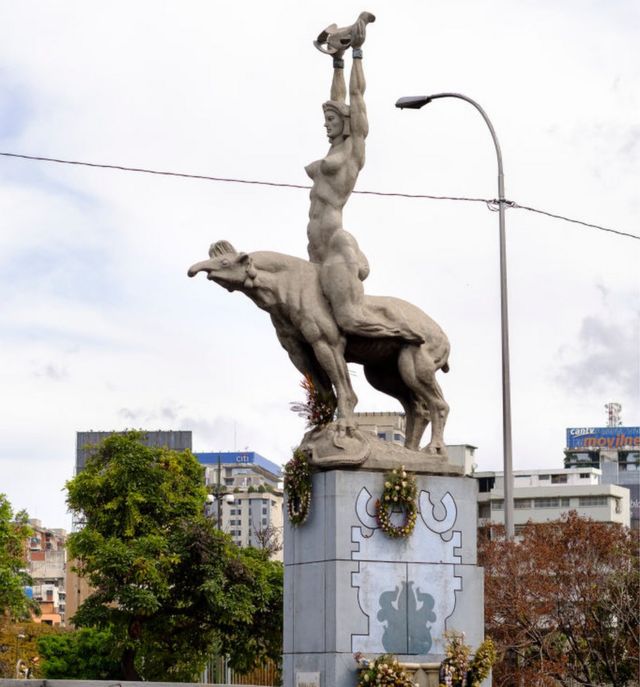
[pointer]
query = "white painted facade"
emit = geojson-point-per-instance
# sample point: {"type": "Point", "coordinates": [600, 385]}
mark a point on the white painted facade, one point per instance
{"type": "Point", "coordinates": [252, 505]}
{"type": "Point", "coordinates": [543, 495]}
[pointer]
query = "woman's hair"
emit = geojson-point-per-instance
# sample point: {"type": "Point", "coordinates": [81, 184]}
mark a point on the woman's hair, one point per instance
{"type": "Point", "coordinates": [341, 109]}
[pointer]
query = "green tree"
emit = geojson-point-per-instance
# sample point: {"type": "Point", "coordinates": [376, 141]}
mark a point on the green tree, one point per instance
{"type": "Point", "coordinates": [14, 531]}
{"type": "Point", "coordinates": [84, 654]}
{"type": "Point", "coordinates": [168, 585]}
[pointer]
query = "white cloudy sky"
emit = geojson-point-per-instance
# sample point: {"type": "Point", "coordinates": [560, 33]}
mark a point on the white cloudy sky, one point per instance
{"type": "Point", "coordinates": [100, 327]}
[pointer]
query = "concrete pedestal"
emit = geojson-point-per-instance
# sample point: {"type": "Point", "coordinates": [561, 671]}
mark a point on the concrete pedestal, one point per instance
{"type": "Point", "coordinates": [349, 587]}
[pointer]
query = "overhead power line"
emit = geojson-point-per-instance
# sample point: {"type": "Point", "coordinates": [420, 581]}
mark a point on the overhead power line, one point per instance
{"type": "Point", "coordinates": [492, 203]}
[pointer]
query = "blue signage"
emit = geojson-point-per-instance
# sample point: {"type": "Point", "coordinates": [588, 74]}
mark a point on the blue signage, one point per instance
{"type": "Point", "coordinates": [603, 437]}
{"type": "Point", "coordinates": [238, 458]}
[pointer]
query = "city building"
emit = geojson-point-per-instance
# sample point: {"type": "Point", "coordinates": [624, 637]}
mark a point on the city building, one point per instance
{"type": "Point", "coordinates": [387, 426]}
{"type": "Point", "coordinates": [542, 495]}
{"type": "Point", "coordinates": [87, 441]}
{"type": "Point", "coordinates": [392, 427]}
{"type": "Point", "coordinates": [615, 451]}
{"type": "Point", "coordinates": [46, 564]}
{"type": "Point", "coordinates": [246, 497]}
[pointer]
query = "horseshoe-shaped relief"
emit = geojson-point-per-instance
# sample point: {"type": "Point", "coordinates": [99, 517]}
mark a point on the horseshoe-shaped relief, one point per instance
{"type": "Point", "coordinates": [429, 519]}
{"type": "Point", "coordinates": [365, 516]}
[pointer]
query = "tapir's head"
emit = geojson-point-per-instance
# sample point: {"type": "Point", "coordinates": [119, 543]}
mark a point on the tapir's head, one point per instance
{"type": "Point", "coordinates": [226, 267]}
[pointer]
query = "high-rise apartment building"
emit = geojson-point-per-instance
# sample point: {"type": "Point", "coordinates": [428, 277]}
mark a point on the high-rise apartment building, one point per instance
{"type": "Point", "coordinates": [246, 497]}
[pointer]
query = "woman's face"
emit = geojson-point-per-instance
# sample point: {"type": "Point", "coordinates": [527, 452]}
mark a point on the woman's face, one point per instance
{"type": "Point", "coordinates": [333, 123]}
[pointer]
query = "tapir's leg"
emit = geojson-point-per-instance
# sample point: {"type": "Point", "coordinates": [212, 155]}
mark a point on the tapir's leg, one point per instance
{"type": "Point", "coordinates": [302, 356]}
{"type": "Point", "coordinates": [332, 361]}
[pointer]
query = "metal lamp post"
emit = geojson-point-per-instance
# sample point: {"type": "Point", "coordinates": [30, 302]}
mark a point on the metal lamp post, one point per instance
{"type": "Point", "coordinates": [415, 103]}
{"type": "Point", "coordinates": [219, 495]}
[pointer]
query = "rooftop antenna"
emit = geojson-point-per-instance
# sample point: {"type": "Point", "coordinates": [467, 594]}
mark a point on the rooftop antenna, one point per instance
{"type": "Point", "coordinates": [613, 414]}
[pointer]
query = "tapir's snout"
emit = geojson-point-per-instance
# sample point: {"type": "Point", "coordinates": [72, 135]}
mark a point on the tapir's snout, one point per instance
{"type": "Point", "coordinates": [204, 266]}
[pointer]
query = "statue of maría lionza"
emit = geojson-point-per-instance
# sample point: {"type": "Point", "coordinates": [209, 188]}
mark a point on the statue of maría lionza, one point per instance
{"type": "Point", "coordinates": [321, 315]}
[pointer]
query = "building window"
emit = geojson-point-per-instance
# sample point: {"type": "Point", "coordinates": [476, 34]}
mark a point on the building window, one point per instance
{"type": "Point", "coordinates": [558, 479]}
{"type": "Point", "coordinates": [543, 477]}
{"type": "Point", "coordinates": [618, 506]}
{"type": "Point", "coordinates": [485, 484]}
{"type": "Point", "coordinates": [397, 437]}
{"type": "Point", "coordinates": [522, 503]}
{"type": "Point", "coordinates": [497, 505]}
{"type": "Point", "coordinates": [382, 435]}
{"type": "Point", "coordinates": [584, 475]}
{"type": "Point", "coordinates": [592, 501]}
{"type": "Point", "coordinates": [484, 510]}
{"type": "Point", "coordinates": [546, 502]}
{"type": "Point", "coordinates": [565, 502]}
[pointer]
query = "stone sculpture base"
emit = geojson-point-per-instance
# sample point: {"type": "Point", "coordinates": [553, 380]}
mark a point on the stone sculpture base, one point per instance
{"type": "Point", "coordinates": [349, 587]}
{"type": "Point", "coordinates": [328, 448]}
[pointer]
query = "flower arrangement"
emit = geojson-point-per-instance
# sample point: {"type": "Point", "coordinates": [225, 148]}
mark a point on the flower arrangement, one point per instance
{"type": "Point", "coordinates": [297, 486]}
{"type": "Point", "coordinates": [320, 407]}
{"type": "Point", "coordinates": [459, 669]}
{"type": "Point", "coordinates": [400, 491]}
{"type": "Point", "coordinates": [384, 670]}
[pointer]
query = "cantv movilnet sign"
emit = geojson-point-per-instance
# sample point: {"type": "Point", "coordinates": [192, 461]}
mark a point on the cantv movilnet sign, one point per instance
{"type": "Point", "coordinates": [603, 437]}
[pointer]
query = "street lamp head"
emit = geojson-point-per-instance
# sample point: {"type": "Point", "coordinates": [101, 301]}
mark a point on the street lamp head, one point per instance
{"type": "Point", "coordinates": [413, 102]}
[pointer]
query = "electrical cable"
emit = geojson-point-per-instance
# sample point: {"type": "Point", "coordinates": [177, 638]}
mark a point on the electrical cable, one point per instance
{"type": "Point", "coordinates": [493, 204]}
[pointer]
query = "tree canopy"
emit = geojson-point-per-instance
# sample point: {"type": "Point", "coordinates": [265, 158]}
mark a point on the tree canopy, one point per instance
{"type": "Point", "coordinates": [14, 532]}
{"type": "Point", "coordinates": [84, 654]}
{"type": "Point", "coordinates": [167, 584]}
{"type": "Point", "coordinates": [561, 604]}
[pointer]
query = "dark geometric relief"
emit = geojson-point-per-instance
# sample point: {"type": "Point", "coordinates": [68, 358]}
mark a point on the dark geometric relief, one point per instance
{"type": "Point", "coordinates": [407, 630]}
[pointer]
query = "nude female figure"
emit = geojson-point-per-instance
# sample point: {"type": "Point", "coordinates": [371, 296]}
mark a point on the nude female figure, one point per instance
{"type": "Point", "coordinates": [343, 266]}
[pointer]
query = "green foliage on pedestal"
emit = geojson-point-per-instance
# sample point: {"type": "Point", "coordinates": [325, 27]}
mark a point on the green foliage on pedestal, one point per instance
{"type": "Point", "coordinates": [297, 487]}
{"type": "Point", "coordinates": [168, 586]}
{"type": "Point", "coordinates": [460, 669]}
{"type": "Point", "coordinates": [319, 408]}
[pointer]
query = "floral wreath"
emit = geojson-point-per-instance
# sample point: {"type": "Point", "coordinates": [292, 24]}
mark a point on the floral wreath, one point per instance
{"type": "Point", "coordinates": [297, 486]}
{"type": "Point", "coordinates": [383, 670]}
{"type": "Point", "coordinates": [458, 668]}
{"type": "Point", "coordinates": [400, 489]}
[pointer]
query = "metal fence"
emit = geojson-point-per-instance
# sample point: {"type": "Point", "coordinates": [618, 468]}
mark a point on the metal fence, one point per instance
{"type": "Point", "coordinates": [217, 672]}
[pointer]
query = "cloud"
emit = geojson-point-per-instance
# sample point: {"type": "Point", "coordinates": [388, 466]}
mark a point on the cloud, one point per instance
{"type": "Point", "coordinates": [52, 371]}
{"type": "Point", "coordinates": [606, 359]}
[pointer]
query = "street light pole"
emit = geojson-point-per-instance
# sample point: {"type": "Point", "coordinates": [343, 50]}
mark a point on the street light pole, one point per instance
{"type": "Point", "coordinates": [415, 103]}
{"type": "Point", "coordinates": [219, 494]}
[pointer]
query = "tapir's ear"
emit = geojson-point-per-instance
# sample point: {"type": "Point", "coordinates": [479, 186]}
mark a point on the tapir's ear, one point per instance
{"type": "Point", "coordinates": [243, 257]}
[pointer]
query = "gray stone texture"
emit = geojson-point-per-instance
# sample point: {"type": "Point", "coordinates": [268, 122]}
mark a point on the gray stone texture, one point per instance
{"type": "Point", "coordinates": [319, 309]}
{"type": "Point", "coordinates": [350, 587]}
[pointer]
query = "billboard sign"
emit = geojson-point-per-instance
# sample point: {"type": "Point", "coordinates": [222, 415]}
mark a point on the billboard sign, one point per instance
{"type": "Point", "coordinates": [608, 438]}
